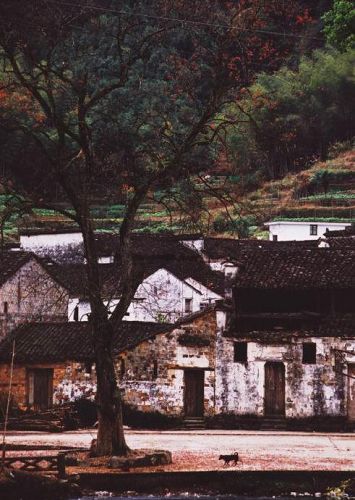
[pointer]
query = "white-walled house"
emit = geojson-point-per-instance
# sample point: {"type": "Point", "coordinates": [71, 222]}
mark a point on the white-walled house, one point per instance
{"type": "Point", "coordinates": [162, 296]}
{"type": "Point", "coordinates": [292, 230]}
{"type": "Point", "coordinates": [39, 242]}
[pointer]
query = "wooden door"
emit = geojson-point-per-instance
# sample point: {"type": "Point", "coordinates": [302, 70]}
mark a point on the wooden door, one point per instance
{"type": "Point", "coordinates": [40, 388]}
{"type": "Point", "coordinates": [274, 389]}
{"type": "Point", "coordinates": [194, 392]}
{"type": "Point", "coordinates": [351, 392]}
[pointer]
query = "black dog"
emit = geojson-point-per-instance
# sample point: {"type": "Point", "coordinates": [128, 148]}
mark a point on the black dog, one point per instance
{"type": "Point", "coordinates": [230, 458]}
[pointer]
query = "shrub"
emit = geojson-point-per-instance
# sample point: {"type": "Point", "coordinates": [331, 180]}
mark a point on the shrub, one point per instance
{"type": "Point", "coordinates": [149, 420]}
{"type": "Point", "coordinates": [86, 412]}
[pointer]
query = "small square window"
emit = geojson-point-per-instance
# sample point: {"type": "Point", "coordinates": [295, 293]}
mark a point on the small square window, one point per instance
{"type": "Point", "coordinates": [240, 352]}
{"type": "Point", "coordinates": [274, 237]}
{"type": "Point", "coordinates": [313, 229]}
{"type": "Point", "coordinates": [309, 353]}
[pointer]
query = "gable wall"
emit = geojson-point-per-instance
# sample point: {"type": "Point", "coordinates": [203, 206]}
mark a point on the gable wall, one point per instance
{"type": "Point", "coordinates": [166, 393]}
{"type": "Point", "coordinates": [31, 294]}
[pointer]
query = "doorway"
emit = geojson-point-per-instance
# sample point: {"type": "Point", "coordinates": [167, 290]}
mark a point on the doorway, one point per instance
{"type": "Point", "coordinates": [274, 389]}
{"type": "Point", "coordinates": [351, 392]}
{"type": "Point", "coordinates": [194, 382]}
{"type": "Point", "coordinates": [40, 388]}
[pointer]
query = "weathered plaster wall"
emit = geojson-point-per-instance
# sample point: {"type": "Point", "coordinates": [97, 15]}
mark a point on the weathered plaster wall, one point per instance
{"type": "Point", "coordinates": [165, 393]}
{"type": "Point", "coordinates": [31, 295]}
{"type": "Point", "coordinates": [310, 389]}
{"type": "Point", "coordinates": [73, 381]}
{"type": "Point", "coordinates": [70, 381]}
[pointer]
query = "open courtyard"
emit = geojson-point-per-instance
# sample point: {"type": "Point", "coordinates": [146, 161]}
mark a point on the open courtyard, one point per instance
{"type": "Point", "coordinates": [200, 450]}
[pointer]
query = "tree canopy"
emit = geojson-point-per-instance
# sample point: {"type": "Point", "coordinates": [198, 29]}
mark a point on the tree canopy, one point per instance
{"type": "Point", "coordinates": [109, 98]}
{"type": "Point", "coordinates": [339, 25]}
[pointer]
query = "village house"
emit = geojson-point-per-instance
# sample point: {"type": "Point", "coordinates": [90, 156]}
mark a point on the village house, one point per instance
{"type": "Point", "coordinates": [28, 292]}
{"type": "Point", "coordinates": [172, 281]}
{"type": "Point", "coordinates": [281, 354]}
{"type": "Point", "coordinates": [291, 336]}
{"type": "Point", "coordinates": [281, 349]}
{"type": "Point", "coordinates": [54, 362]}
{"type": "Point", "coordinates": [164, 368]}
{"type": "Point", "coordinates": [286, 230]}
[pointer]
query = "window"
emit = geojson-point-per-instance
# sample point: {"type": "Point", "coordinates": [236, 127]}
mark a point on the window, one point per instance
{"type": "Point", "coordinates": [76, 313]}
{"type": "Point", "coordinates": [6, 307]}
{"type": "Point", "coordinates": [122, 367]}
{"type": "Point", "coordinates": [274, 237]}
{"type": "Point", "coordinates": [88, 367]}
{"type": "Point", "coordinates": [309, 353]}
{"type": "Point", "coordinates": [240, 352]}
{"type": "Point", "coordinates": [188, 305]}
{"type": "Point", "coordinates": [314, 229]}
{"type": "Point", "coordinates": [155, 369]}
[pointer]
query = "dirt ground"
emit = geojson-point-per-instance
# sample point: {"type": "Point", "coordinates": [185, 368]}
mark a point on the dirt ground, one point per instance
{"type": "Point", "coordinates": [200, 450]}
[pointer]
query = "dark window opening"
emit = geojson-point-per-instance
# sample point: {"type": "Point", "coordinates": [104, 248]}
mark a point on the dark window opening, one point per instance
{"type": "Point", "coordinates": [313, 229]}
{"type": "Point", "coordinates": [122, 367]}
{"type": "Point", "coordinates": [309, 353]}
{"type": "Point", "coordinates": [6, 307]}
{"type": "Point", "coordinates": [76, 313]}
{"type": "Point", "coordinates": [88, 367]}
{"type": "Point", "coordinates": [188, 305]}
{"type": "Point", "coordinates": [240, 352]}
{"type": "Point", "coordinates": [274, 237]}
{"type": "Point", "coordinates": [155, 369]}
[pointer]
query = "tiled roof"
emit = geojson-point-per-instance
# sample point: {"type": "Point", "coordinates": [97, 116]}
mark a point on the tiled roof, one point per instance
{"type": "Point", "coordinates": [347, 231]}
{"type": "Point", "coordinates": [73, 276]}
{"type": "Point", "coordinates": [297, 268]}
{"type": "Point", "coordinates": [144, 245]}
{"type": "Point", "coordinates": [228, 248]}
{"type": "Point", "coordinates": [341, 242]}
{"type": "Point", "coordinates": [11, 262]}
{"type": "Point", "coordinates": [55, 342]}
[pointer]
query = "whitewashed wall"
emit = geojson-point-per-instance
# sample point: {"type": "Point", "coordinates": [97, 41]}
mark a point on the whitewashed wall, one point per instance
{"type": "Point", "coordinates": [287, 231]}
{"type": "Point", "coordinates": [310, 389]}
{"type": "Point", "coordinates": [38, 242]}
{"type": "Point", "coordinates": [161, 297]}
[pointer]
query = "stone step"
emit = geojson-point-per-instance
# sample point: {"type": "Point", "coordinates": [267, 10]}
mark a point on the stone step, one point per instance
{"type": "Point", "coordinates": [194, 423]}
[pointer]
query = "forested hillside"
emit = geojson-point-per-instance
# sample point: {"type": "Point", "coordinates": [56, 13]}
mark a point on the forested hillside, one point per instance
{"type": "Point", "coordinates": [279, 146]}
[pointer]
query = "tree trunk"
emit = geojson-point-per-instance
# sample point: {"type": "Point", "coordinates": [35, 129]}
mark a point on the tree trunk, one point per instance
{"type": "Point", "coordinates": [110, 436]}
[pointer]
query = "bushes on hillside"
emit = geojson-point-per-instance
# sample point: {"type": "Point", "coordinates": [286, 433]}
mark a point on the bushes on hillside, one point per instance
{"type": "Point", "coordinates": [291, 118]}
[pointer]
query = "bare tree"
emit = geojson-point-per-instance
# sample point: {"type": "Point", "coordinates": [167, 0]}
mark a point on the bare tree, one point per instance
{"type": "Point", "coordinates": [115, 102]}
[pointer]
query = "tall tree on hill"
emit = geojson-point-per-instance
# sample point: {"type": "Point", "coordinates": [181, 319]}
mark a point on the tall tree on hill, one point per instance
{"type": "Point", "coordinates": [119, 97]}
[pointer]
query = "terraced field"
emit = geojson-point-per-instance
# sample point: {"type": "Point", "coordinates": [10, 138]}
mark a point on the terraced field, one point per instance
{"type": "Point", "coordinates": [325, 191]}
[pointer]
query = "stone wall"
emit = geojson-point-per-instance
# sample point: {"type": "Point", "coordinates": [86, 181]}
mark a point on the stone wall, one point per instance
{"type": "Point", "coordinates": [152, 374]}
{"type": "Point", "coordinates": [31, 295]}
{"type": "Point", "coordinates": [71, 381]}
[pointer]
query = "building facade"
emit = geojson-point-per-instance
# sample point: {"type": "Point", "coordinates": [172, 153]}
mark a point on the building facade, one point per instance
{"type": "Point", "coordinates": [292, 230]}
{"type": "Point", "coordinates": [28, 292]}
